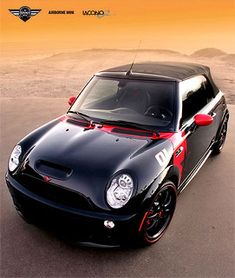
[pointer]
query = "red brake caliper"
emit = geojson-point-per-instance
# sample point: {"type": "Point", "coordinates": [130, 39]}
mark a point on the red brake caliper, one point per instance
{"type": "Point", "coordinates": [148, 222]}
{"type": "Point", "coordinates": [161, 213]}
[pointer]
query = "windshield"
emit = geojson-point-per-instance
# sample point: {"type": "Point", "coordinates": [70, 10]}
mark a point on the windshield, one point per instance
{"type": "Point", "coordinates": [147, 103]}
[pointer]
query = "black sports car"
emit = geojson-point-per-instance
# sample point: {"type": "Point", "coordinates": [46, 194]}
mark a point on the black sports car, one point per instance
{"type": "Point", "coordinates": [110, 169]}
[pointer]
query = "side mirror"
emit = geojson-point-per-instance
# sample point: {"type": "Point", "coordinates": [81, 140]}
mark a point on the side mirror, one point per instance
{"type": "Point", "coordinates": [203, 119]}
{"type": "Point", "coordinates": [71, 100]}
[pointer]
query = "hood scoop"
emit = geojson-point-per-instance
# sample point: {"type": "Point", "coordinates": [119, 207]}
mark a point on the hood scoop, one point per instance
{"type": "Point", "coordinates": [52, 169]}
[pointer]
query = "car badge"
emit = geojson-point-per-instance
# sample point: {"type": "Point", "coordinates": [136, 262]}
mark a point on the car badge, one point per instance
{"type": "Point", "coordinates": [24, 13]}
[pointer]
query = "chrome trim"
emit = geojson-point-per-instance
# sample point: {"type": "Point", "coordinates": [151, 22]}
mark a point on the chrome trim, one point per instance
{"type": "Point", "coordinates": [195, 171]}
{"type": "Point", "coordinates": [212, 103]}
{"type": "Point", "coordinates": [213, 115]}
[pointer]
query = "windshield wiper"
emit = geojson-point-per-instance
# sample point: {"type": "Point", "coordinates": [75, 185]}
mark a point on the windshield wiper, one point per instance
{"type": "Point", "coordinates": [129, 124]}
{"type": "Point", "coordinates": [118, 122]}
{"type": "Point", "coordinates": [83, 116]}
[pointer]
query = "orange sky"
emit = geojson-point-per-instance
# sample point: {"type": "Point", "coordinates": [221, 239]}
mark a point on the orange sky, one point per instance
{"type": "Point", "coordinates": [181, 25]}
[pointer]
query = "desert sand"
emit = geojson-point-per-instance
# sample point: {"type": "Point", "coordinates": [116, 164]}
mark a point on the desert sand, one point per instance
{"type": "Point", "coordinates": [64, 74]}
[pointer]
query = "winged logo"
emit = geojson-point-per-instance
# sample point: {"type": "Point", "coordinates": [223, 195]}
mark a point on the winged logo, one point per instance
{"type": "Point", "coordinates": [24, 13]}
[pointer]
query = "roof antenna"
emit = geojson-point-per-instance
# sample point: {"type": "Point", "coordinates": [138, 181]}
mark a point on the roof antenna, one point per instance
{"type": "Point", "coordinates": [138, 48]}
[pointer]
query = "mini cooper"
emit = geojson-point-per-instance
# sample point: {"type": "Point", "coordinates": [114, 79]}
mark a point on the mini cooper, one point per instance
{"type": "Point", "coordinates": [109, 170]}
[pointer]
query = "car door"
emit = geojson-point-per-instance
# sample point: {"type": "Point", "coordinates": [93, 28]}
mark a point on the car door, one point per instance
{"type": "Point", "coordinates": [197, 98]}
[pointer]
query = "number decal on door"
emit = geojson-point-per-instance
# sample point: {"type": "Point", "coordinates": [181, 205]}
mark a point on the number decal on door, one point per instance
{"type": "Point", "coordinates": [162, 157]}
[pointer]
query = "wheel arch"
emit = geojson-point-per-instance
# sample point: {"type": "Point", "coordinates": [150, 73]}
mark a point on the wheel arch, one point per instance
{"type": "Point", "coordinates": [172, 174]}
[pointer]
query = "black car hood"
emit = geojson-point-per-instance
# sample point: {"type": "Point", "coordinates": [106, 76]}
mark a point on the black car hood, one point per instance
{"type": "Point", "coordinates": [85, 160]}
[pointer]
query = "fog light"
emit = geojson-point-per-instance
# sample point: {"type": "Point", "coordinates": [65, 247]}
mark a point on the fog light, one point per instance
{"type": "Point", "coordinates": [109, 224]}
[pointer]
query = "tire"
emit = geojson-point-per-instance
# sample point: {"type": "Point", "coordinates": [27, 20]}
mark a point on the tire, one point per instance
{"type": "Point", "coordinates": [158, 217]}
{"type": "Point", "coordinates": [219, 144]}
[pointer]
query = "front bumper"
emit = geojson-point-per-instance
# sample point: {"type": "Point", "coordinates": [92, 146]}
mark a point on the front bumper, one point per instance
{"type": "Point", "coordinates": [80, 225]}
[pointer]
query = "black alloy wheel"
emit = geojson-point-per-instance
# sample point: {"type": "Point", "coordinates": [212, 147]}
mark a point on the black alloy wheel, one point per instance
{"type": "Point", "coordinates": [159, 214]}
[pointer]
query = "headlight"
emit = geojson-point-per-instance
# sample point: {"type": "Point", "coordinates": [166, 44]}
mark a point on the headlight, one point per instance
{"type": "Point", "coordinates": [120, 191]}
{"type": "Point", "coordinates": [14, 158]}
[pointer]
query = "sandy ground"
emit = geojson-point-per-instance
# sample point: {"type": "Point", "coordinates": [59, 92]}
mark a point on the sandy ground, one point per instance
{"type": "Point", "coordinates": [64, 74]}
{"type": "Point", "coordinates": [198, 243]}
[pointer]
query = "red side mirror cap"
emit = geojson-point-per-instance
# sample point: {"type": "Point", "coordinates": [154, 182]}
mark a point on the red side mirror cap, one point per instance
{"type": "Point", "coordinates": [71, 100]}
{"type": "Point", "coordinates": [203, 119]}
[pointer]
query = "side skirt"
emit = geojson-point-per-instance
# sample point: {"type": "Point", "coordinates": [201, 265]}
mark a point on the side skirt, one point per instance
{"type": "Point", "coordinates": [194, 171]}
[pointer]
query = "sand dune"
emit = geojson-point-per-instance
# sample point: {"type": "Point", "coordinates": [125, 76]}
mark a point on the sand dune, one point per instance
{"type": "Point", "coordinates": [64, 74]}
{"type": "Point", "coordinates": [208, 53]}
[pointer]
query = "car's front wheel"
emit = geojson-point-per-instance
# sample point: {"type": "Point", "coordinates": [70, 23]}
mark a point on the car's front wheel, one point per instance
{"type": "Point", "coordinates": [159, 215]}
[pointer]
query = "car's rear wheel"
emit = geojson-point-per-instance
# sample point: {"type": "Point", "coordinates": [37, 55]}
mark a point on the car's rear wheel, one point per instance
{"type": "Point", "coordinates": [159, 215]}
{"type": "Point", "coordinates": [217, 148]}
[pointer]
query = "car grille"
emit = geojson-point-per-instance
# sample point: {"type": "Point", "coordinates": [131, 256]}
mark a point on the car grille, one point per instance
{"type": "Point", "coordinates": [54, 192]}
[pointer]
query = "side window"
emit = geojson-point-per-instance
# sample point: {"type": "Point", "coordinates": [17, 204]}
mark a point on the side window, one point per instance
{"type": "Point", "coordinates": [195, 92]}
